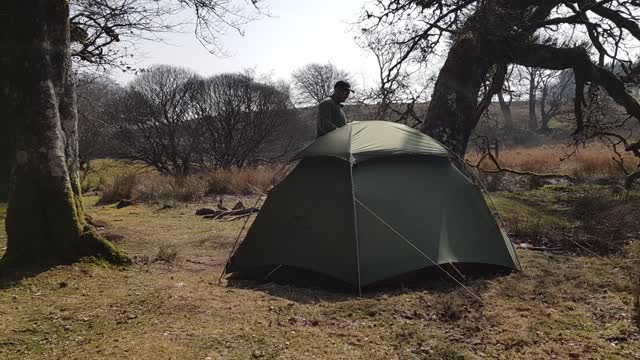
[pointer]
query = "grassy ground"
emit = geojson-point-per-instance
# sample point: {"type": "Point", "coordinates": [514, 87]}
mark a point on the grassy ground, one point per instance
{"type": "Point", "coordinates": [560, 306]}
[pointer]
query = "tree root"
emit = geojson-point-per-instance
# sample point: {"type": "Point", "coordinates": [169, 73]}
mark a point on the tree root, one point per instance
{"type": "Point", "coordinates": [92, 244]}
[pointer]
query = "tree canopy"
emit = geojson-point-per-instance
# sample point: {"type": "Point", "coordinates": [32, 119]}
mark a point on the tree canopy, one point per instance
{"type": "Point", "coordinates": [480, 39]}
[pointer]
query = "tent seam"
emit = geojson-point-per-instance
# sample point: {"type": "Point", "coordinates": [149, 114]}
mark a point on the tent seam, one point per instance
{"type": "Point", "coordinates": [355, 216]}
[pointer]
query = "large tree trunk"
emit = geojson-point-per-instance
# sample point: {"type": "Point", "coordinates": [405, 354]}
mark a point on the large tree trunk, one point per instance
{"type": "Point", "coordinates": [506, 112]}
{"type": "Point", "coordinates": [45, 219]}
{"type": "Point", "coordinates": [452, 112]}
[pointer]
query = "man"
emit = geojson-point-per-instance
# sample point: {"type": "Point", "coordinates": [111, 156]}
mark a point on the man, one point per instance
{"type": "Point", "coordinates": [330, 113]}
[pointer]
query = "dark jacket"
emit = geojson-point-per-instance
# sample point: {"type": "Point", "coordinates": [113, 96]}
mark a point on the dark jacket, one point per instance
{"type": "Point", "coordinates": [330, 116]}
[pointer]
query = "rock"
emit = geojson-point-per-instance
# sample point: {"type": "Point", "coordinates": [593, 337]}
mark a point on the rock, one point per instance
{"type": "Point", "coordinates": [238, 206]}
{"type": "Point", "coordinates": [123, 203]}
{"type": "Point", "coordinates": [205, 211]}
{"type": "Point", "coordinates": [222, 207]}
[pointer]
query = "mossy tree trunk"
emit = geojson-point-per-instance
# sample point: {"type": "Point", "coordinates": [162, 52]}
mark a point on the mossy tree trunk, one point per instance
{"type": "Point", "coordinates": [452, 113]}
{"type": "Point", "coordinates": [45, 218]}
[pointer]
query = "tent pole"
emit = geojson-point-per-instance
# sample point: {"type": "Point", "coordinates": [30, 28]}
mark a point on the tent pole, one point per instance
{"type": "Point", "coordinates": [272, 271]}
{"type": "Point", "coordinates": [355, 226]}
{"type": "Point", "coordinates": [355, 216]}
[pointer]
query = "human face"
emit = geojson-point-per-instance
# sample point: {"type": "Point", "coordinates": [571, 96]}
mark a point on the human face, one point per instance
{"type": "Point", "coordinates": [342, 94]}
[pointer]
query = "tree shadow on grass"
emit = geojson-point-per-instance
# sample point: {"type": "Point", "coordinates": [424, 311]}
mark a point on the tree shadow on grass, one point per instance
{"type": "Point", "coordinates": [307, 287]}
{"type": "Point", "coordinates": [12, 276]}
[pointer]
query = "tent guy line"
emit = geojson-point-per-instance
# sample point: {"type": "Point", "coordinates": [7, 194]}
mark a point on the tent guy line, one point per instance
{"type": "Point", "coordinates": [418, 250]}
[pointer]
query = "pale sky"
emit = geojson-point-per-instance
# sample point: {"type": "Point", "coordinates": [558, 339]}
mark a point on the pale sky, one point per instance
{"type": "Point", "coordinates": [298, 32]}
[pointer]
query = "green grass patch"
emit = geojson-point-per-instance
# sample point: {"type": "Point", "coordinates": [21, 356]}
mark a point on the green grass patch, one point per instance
{"type": "Point", "coordinates": [510, 206]}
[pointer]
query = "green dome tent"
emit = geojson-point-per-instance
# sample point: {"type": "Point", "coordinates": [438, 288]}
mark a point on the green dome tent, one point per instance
{"type": "Point", "coordinates": [370, 201]}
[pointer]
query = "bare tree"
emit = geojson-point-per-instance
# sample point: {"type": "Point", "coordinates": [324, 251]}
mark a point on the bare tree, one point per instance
{"type": "Point", "coordinates": [399, 92]}
{"type": "Point", "coordinates": [505, 108]}
{"type": "Point", "coordinates": [96, 95]}
{"type": "Point", "coordinates": [511, 91]}
{"type": "Point", "coordinates": [314, 82]}
{"type": "Point", "coordinates": [240, 119]}
{"type": "Point", "coordinates": [104, 32]}
{"type": "Point", "coordinates": [155, 122]}
{"type": "Point", "coordinates": [534, 77]}
{"type": "Point", "coordinates": [554, 98]}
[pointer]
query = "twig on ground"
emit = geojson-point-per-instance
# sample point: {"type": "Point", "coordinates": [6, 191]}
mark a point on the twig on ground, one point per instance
{"type": "Point", "coordinates": [236, 217]}
{"type": "Point", "coordinates": [239, 212]}
{"type": "Point", "coordinates": [537, 248]}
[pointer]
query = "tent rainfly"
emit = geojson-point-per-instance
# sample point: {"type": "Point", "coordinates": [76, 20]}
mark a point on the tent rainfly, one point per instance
{"type": "Point", "coordinates": [370, 201]}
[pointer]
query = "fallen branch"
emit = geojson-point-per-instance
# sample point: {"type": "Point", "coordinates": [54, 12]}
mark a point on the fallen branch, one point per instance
{"type": "Point", "coordinates": [200, 262]}
{"type": "Point", "coordinates": [529, 173]}
{"type": "Point", "coordinates": [500, 169]}
{"type": "Point", "coordinates": [247, 211]}
{"type": "Point", "coordinates": [236, 217]}
{"type": "Point", "coordinates": [631, 179]}
{"type": "Point", "coordinates": [537, 248]}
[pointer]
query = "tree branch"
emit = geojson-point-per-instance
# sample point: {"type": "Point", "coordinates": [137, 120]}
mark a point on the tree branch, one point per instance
{"type": "Point", "coordinates": [576, 58]}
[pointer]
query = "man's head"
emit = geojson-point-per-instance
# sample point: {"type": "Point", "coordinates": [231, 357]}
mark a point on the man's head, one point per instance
{"type": "Point", "coordinates": [341, 91]}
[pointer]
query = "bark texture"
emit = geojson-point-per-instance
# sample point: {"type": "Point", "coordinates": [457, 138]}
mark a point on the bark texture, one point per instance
{"type": "Point", "coordinates": [451, 115]}
{"type": "Point", "coordinates": [45, 219]}
{"type": "Point", "coordinates": [475, 54]}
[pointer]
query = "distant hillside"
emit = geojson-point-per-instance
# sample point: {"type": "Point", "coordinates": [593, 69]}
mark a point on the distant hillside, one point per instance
{"type": "Point", "coordinates": [303, 128]}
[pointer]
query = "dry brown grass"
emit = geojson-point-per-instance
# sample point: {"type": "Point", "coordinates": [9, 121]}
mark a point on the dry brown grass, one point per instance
{"type": "Point", "coordinates": [246, 181]}
{"type": "Point", "coordinates": [122, 187]}
{"type": "Point", "coordinates": [591, 162]}
{"type": "Point", "coordinates": [116, 181]}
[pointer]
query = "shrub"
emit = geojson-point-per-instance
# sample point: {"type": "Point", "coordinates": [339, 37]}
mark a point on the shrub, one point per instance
{"type": "Point", "coordinates": [528, 230]}
{"type": "Point", "coordinates": [159, 188]}
{"type": "Point", "coordinates": [167, 253]}
{"type": "Point", "coordinates": [122, 188]}
{"type": "Point", "coordinates": [246, 181]}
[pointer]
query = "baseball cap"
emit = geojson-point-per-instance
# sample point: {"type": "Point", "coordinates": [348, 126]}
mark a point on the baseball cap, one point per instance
{"type": "Point", "coordinates": [343, 85]}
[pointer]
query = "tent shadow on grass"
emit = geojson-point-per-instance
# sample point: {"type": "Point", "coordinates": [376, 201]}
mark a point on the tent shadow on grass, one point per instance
{"type": "Point", "coordinates": [304, 286]}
